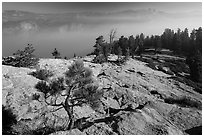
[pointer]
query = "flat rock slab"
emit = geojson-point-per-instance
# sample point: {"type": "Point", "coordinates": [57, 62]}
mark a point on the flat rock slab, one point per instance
{"type": "Point", "coordinates": [134, 91]}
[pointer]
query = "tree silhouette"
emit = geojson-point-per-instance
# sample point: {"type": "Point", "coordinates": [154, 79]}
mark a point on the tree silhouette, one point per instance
{"type": "Point", "coordinates": [102, 50]}
{"type": "Point", "coordinates": [74, 55]}
{"type": "Point", "coordinates": [199, 39]}
{"type": "Point", "coordinates": [141, 44]}
{"type": "Point", "coordinates": [157, 43]}
{"type": "Point", "coordinates": [56, 54]}
{"type": "Point", "coordinates": [132, 45]}
{"type": "Point", "coordinates": [195, 65]}
{"type": "Point", "coordinates": [194, 58]}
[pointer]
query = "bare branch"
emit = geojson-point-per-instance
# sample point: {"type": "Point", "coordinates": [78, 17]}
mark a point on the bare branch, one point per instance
{"type": "Point", "coordinates": [56, 109]}
{"type": "Point", "coordinates": [112, 35]}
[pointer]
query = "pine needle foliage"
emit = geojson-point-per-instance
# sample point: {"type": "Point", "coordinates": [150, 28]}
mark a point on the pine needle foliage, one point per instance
{"type": "Point", "coordinates": [79, 88]}
{"type": "Point", "coordinates": [42, 74]}
{"type": "Point", "coordinates": [25, 58]}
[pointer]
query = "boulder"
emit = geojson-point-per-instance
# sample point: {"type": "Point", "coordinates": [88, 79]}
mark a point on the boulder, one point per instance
{"type": "Point", "coordinates": [109, 102]}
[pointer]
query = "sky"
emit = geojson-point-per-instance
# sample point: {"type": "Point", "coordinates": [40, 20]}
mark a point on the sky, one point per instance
{"type": "Point", "coordinates": [73, 27]}
{"type": "Point", "coordinates": [63, 7]}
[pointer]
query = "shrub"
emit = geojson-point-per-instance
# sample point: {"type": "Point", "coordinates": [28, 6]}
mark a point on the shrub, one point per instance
{"type": "Point", "coordinates": [99, 59]}
{"type": "Point", "coordinates": [25, 58]}
{"type": "Point", "coordinates": [56, 54]}
{"type": "Point", "coordinates": [80, 89]}
{"type": "Point", "coordinates": [43, 87]}
{"type": "Point", "coordinates": [8, 120]}
{"type": "Point", "coordinates": [42, 74]}
{"type": "Point", "coordinates": [35, 96]}
{"type": "Point", "coordinates": [195, 65]}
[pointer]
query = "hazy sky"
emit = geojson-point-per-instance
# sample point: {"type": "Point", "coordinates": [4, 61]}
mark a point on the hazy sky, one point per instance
{"type": "Point", "coordinates": [60, 7]}
{"type": "Point", "coordinates": [73, 27]}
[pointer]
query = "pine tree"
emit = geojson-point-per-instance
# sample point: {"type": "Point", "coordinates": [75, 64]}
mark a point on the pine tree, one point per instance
{"type": "Point", "coordinates": [132, 45]}
{"type": "Point", "coordinates": [199, 39]}
{"type": "Point", "coordinates": [194, 58]}
{"type": "Point", "coordinates": [102, 50]}
{"type": "Point", "coordinates": [123, 43]}
{"type": "Point", "coordinates": [157, 43]}
{"type": "Point", "coordinates": [192, 40]}
{"type": "Point", "coordinates": [80, 89]}
{"type": "Point", "coordinates": [178, 41]}
{"type": "Point", "coordinates": [115, 48]}
{"type": "Point", "coordinates": [25, 58]}
{"type": "Point", "coordinates": [106, 50]}
{"type": "Point", "coordinates": [56, 54]}
{"type": "Point", "coordinates": [195, 64]}
{"type": "Point", "coordinates": [141, 44]}
{"type": "Point", "coordinates": [166, 38]}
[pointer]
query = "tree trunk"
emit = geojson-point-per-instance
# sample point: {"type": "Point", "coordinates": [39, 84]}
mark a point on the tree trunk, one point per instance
{"type": "Point", "coordinates": [71, 117]}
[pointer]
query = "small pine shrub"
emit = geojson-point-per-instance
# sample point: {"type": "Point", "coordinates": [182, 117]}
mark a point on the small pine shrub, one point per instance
{"type": "Point", "coordinates": [56, 54]}
{"type": "Point", "coordinates": [42, 74]}
{"type": "Point", "coordinates": [43, 87]}
{"type": "Point", "coordinates": [99, 59]}
{"type": "Point", "coordinates": [35, 96]}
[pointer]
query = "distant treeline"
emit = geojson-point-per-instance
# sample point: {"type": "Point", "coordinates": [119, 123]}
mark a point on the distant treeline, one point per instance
{"type": "Point", "coordinates": [180, 42]}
